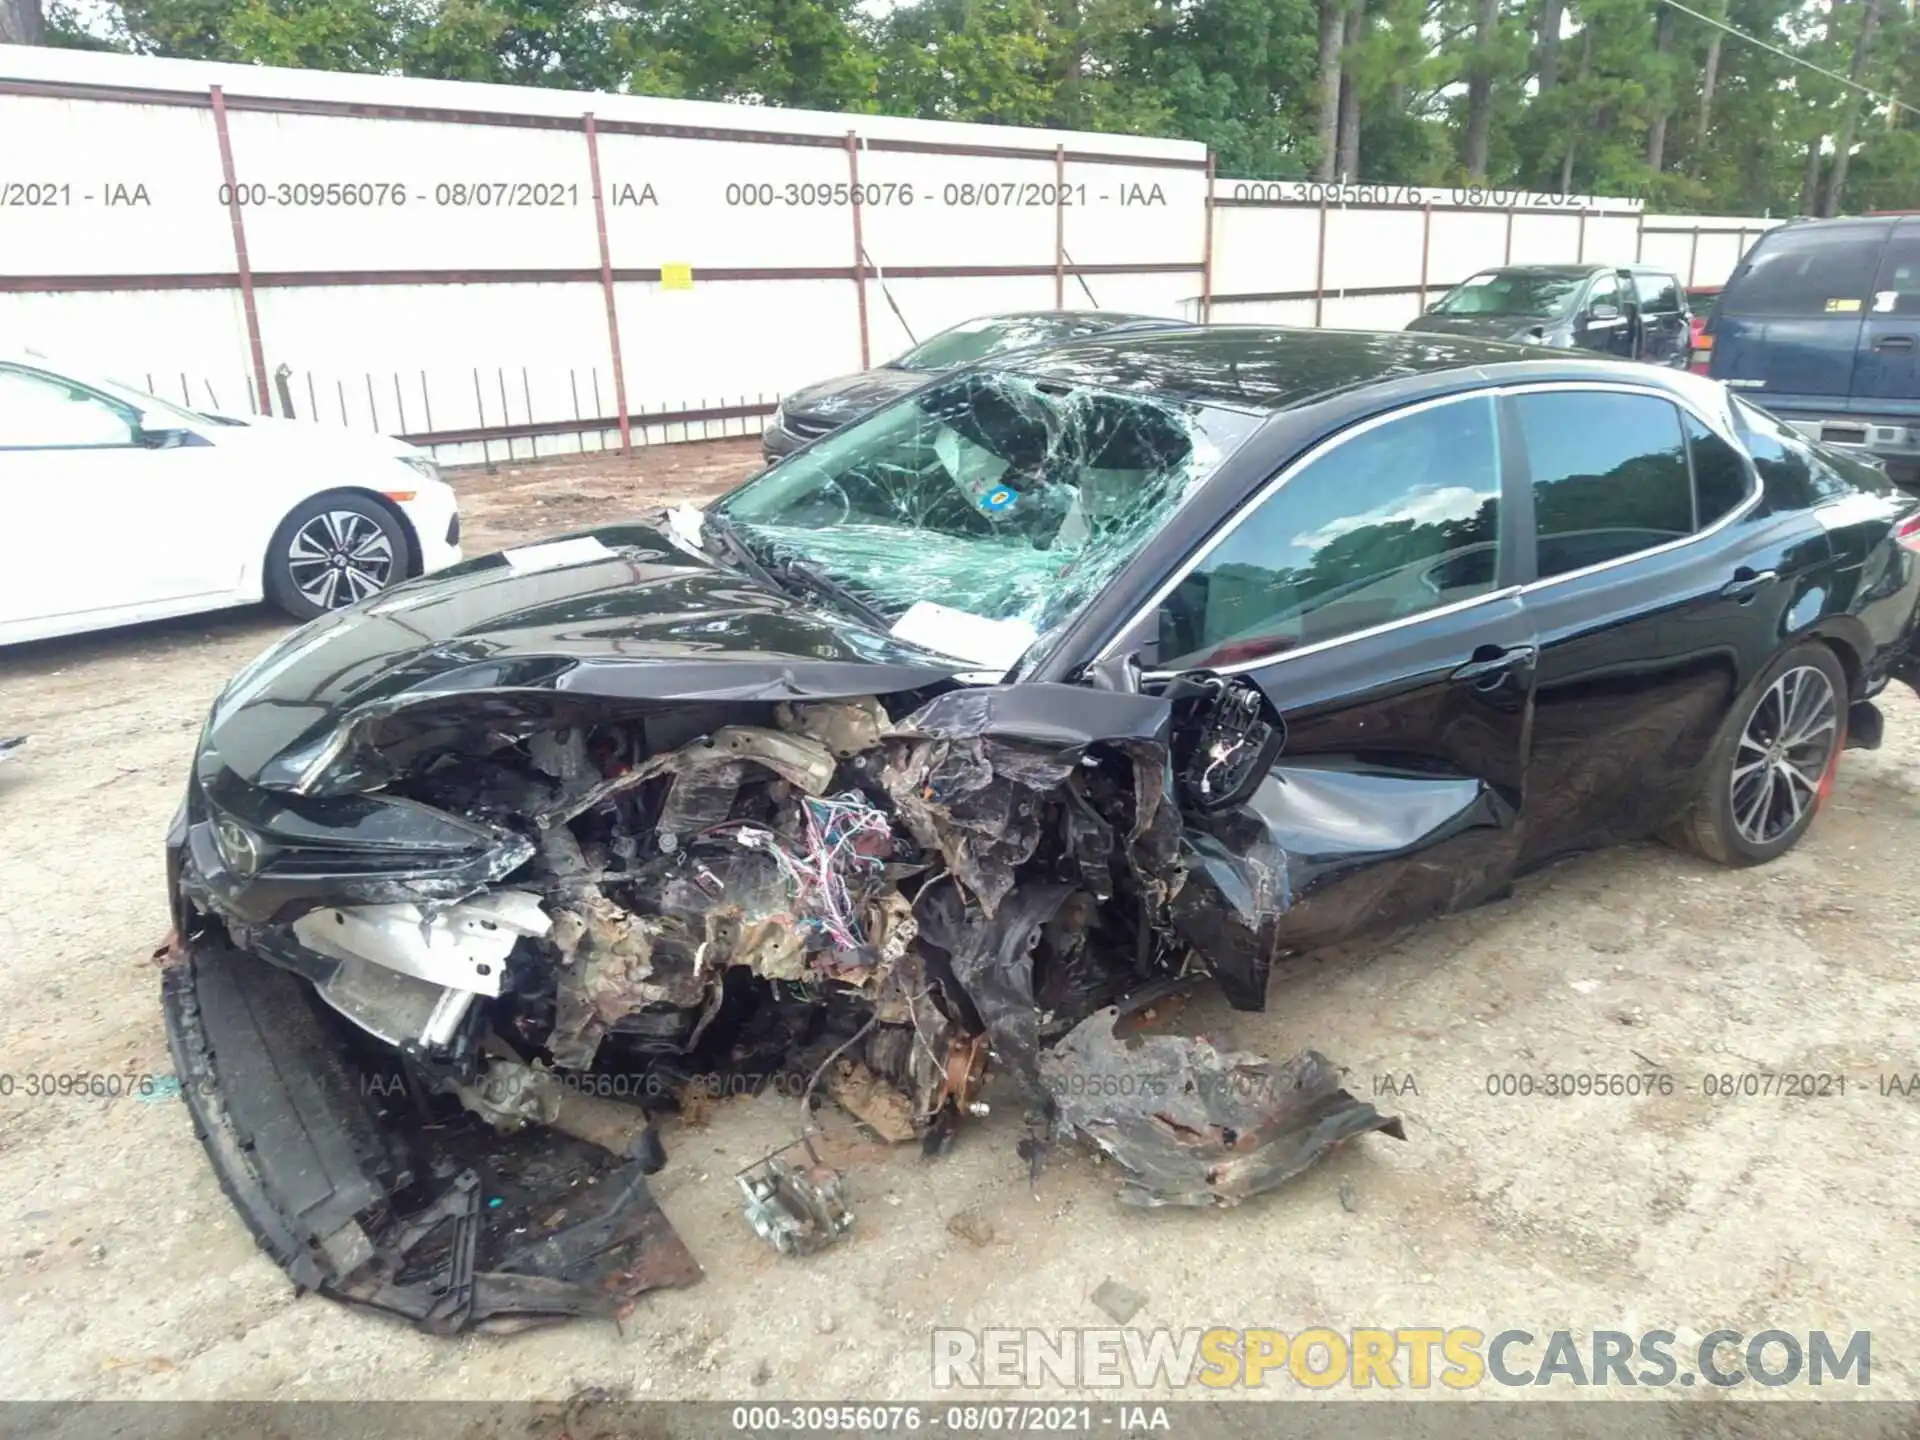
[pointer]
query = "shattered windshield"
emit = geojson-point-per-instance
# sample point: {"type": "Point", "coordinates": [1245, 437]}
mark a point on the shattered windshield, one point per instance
{"type": "Point", "coordinates": [1532, 297]}
{"type": "Point", "coordinates": [1009, 498]}
{"type": "Point", "coordinates": [995, 335]}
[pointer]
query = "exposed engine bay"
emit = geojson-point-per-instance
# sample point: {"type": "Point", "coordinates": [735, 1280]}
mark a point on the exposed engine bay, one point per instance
{"type": "Point", "coordinates": [878, 901]}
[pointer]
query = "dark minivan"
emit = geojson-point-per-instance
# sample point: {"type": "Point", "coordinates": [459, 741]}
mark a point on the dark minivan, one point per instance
{"type": "Point", "coordinates": [1820, 323]}
{"type": "Point", "coordinates": [1634, 311]}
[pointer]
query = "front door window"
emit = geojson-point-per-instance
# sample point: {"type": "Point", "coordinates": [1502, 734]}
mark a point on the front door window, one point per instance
{"type": "Point", "coordinates": [1396, 520]}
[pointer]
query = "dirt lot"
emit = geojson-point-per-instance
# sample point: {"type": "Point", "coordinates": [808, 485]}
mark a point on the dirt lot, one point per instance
{"type": "Point", "coordinates": [125, 1273]}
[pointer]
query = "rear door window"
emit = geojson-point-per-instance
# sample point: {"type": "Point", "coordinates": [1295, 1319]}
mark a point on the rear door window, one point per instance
{"type": "Point", "coordinates": [1610, 476]}
{"type": "Point", "coordinates": [1795, 474]}
{"type": "Point", "coordinates": [1798, 272]}
{"type": "Point", "coordinates": [1720, 479]}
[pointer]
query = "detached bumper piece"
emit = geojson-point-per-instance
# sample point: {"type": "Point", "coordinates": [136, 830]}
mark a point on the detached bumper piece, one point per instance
{"type": "Point", "coordinates": [359, 1191]}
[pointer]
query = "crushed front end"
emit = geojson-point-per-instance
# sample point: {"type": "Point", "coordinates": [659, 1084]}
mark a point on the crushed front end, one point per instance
{"type": "Point", "coordinates": [441, 959]}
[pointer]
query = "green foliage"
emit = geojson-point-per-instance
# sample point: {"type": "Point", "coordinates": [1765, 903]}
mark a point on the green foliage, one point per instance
{"type": "Point", "coordinates": [1240, 75]}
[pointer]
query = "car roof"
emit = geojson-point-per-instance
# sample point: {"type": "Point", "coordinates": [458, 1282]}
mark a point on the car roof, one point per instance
{"type": "Point", "coordinates": [1801, 224]}
{"type": "Point", "coordinates": [1573, 270]}
{"type": "Point", "coordinates": [1559, 270]}
{"type": "Point", "coordinates": [1112, 317]}
{"type": "Point", "coordinates": [1258, 368]}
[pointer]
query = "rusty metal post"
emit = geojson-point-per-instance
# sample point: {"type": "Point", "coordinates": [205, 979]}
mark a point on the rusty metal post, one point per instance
{"type": "Point", "coordinates": [1426, 250]}
{"type": "Point", "coordinates": [1059, 227]}
{"type": "Point", "coordinates": [241, 262]}
{"type": "Point", "coordinates": [1206, 251]}
{"type": "Point", "coordinates": [1320, 269]}
{"type": "Point", "coordinates": [606, 287]}
{"type": "Point", "coordinates": [859, 246]}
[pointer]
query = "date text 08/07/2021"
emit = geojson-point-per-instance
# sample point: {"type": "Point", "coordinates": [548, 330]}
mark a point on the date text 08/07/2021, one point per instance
{"type": "Point", "coordinates": [1010, 1419]}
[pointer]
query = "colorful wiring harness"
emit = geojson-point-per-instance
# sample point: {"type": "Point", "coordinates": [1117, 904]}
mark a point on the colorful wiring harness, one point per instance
{"type": "Point", "coordinates": [845, 836]}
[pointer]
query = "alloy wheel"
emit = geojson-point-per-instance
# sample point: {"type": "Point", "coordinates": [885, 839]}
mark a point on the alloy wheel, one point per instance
{"type": "Point", "coordinates": [1783, 754]}
{"type": "Point", "coordinates": [338, 557]}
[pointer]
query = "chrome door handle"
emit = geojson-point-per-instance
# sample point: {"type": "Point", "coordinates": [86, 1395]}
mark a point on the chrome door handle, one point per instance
{"type": "Point", "coordinates": [1488, 673]}
{"type": "Point", "coordinates": [1746, 584]}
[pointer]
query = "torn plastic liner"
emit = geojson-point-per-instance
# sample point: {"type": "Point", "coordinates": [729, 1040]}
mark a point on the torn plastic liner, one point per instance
{"type": "Point", "coordinates": [1192, 1125]}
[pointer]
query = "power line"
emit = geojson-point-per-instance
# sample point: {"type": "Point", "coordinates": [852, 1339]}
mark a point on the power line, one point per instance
{"type": "Point", "coordinates": [1790, 56]}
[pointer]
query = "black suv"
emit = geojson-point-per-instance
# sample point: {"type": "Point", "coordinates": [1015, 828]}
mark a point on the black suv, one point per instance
{"type": "Point", "coordinates": [1820, 323]}
{"type": "Point", "coordinates": [1633, 311]}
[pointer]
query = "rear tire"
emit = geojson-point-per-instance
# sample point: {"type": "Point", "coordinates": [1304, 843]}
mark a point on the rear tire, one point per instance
{"type": "Point", "coordinates": [1772, 764]}
{"type": "Point", "coordinates": [334, 549]}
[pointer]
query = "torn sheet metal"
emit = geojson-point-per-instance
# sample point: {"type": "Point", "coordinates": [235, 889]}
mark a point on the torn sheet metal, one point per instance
{"type": "Point", "coordinates": [1195, 1126]}
{"type": "Point", "coordinates": [800, 760]}
{"type": "Point", "coordinates": [607, 972]}
{"type": "Point", "coordinates": [977, 804]}
{"type": "Point", "coordinates": [1230, 906]}
{"type": "Point", "coordinates": [971, 773]}
{"type": "Point", "coordinates": [993, 960]}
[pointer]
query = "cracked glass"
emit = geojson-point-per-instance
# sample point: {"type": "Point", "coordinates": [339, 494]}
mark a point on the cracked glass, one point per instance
{"type": "Point", "coordinates": [1008, 497]}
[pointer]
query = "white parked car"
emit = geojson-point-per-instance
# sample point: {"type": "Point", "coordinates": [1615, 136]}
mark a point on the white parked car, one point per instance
{"type": "Point", "coordinates": [121, 507]}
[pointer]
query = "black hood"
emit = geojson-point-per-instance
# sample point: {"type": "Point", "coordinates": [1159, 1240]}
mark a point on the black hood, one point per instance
{"type": "Point", "coordinates": [847, 397]}
{"type": "Point", "coordinates": [640, 620]}
{"type": "Point", "coordinates": [1517, 328]}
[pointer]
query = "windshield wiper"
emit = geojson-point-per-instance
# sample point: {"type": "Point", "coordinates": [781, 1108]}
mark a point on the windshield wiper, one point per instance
{"type": "Point", "coordinates": [727, 534]}
{"type": "Point", "coordinates": [800, 572]}
{"type": "Point", "coordinates": [794, 572]}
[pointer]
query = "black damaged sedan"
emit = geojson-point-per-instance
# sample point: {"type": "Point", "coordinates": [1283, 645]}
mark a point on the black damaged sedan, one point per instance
{"type": "Point", "coordinates": [946, 746]}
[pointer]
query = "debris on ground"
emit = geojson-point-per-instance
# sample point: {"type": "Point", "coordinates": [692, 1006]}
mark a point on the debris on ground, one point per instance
{"type": "Point", "coordinates": [971, 1226]}
{"type": "Point", "coordinates": [1192, 1125]}
{"type": "Point", "coordinates": [796, 1207]}
{"type": "Point", "coordinates": [1119, 1302]}
{"type": "Point", "coordinates": [7, 747]}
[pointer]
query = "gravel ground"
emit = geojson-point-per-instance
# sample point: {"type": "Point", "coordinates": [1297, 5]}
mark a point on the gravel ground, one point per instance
{"type": "Point", "coordinates": [124, 1273]}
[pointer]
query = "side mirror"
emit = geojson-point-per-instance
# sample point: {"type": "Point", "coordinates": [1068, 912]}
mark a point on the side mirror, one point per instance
{"type": "Point", "coordinates": [1604, 311]}
{"type": "Point", "coordinates": [165, 439]}
{"type": "Point", "coordinates": [1118, 673]}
